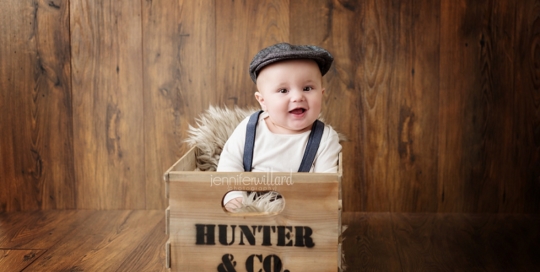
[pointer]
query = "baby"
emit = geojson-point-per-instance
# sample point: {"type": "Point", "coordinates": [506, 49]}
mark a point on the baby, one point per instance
{"type": "Point", "coordinates": [286, 135]}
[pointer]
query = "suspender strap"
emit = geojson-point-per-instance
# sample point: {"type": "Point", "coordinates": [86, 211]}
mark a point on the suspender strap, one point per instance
{"type": "Point", "coordinates": [249, 145]}
{"type": "Point", "coordinates": [312, 146]}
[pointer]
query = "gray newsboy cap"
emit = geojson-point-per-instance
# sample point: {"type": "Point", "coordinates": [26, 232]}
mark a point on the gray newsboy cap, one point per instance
{"type": "Point", "coordinates": [285, 51]}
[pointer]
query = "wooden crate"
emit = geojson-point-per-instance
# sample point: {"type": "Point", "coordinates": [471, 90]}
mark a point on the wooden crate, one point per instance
{"type": "Point", "coordinates": [204, 237]}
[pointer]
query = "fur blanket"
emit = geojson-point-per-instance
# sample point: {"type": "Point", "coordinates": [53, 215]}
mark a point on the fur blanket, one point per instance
{"type": "Point", "coordinates": [213, 128]}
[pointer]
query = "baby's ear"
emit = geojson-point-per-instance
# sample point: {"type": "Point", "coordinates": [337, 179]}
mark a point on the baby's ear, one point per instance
{"type": "Point", "coordinates": [260, 99]}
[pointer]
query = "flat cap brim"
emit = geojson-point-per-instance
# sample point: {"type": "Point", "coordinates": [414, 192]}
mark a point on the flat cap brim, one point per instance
{"type": "Point", "coordinates": [285, 51]}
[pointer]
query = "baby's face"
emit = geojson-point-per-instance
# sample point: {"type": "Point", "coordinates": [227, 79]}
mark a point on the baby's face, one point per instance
{"type": "Point", "coordinates": [291, 92]}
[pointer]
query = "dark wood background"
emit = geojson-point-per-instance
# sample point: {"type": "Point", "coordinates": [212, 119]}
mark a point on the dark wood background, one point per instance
{"type": "Point", "coordinates": [440, 98]}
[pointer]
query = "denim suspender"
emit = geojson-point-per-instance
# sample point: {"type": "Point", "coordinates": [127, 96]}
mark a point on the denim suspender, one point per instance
{"type": "Point", "coordinates": [312, 146]}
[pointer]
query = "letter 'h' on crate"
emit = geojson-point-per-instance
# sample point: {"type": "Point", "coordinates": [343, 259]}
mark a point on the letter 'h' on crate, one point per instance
{"type": "Point", "coordinates": [304, 236]}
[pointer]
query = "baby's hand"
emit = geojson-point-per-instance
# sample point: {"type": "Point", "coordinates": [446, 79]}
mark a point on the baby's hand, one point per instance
{"type": "Point", "coordinates": [234, 204]}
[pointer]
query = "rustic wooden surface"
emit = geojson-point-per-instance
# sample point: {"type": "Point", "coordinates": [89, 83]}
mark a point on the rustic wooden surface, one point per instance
{"type": "Point", "coordinates": [522, 194]}
{"type": "Point", "coordinates": [439, 99]}
{"type": "Point", "coordinates": [179, 81]}
{"type": "Point", "coordinates": [82, 241]}
{"type": "Point", "coordinates": [134, 241]}
{"type": "Point", "coordinates": [108, 102]}
{"type": "Point", "coordinates": [441, 242]}
{"type": "Point", "coordinates": [36, 142]}
{"type": "Point", "coordinates": [243, 28]}
{"type": "Point", "coordinates": [476, 113]}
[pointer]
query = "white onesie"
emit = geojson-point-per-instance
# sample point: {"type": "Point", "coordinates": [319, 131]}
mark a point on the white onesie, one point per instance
{"type": "Point", "coordinates": [277, 152]}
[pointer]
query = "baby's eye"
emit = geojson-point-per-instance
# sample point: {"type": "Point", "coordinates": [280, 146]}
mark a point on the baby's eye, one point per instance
{"type": "Point", "coordinates": [283, 91]}
{"type": "Point", "coordinates": [307, 89]}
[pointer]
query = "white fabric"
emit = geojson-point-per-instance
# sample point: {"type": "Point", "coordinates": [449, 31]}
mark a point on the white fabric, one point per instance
{"type": "Point", "coordinates": [277, 152]}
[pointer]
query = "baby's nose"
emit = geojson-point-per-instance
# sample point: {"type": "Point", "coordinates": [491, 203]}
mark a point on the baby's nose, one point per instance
{"type": "Point", "coordinates": [297, 95]}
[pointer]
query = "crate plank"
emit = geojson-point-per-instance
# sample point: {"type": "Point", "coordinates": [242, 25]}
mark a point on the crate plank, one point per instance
{"type": "Point", "coordinates": [186, 163]}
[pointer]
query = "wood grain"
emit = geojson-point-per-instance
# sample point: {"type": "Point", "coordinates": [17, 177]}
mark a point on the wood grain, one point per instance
{"type": "Point", "coordinates": [150, 254]}
{"type": "Point", "coordinates": [497, 62]}
{"type": "Point", "coordinates": [413, 98]}
{"type": "Point", "coordinates": [453, 94]}
{"type": "Point", "coordinates": [179, 81]}
{"type": "Point", "coordinates": [36, 143]}
{"type": "Point", "coordinates": [521, 195]}
{"type": "Point", "coordinates": [439, 99]}
{"type": "Point", "coordinates": [108, 104]}
{"type": "Point", "coordinates": [374, 59]}
{"type": "Point", "coordinates": [134, 241]}
{"type": "Point", "coordinates": [18, 259]}
{"type": "Point", "coordinates": [470, 242]}
{"type": "Point", "coordinates": [476, 94]}
{"type": "Point", "coordinates": [369, 242]}
{"type": "Point", "coordinates": [421, 235]}
{"type": "Point", "coordinates": [245, 27]}
{"type": "Point", "coordinates": [38, 229]}
{"type": "Point", "coordinates": [110, 237]}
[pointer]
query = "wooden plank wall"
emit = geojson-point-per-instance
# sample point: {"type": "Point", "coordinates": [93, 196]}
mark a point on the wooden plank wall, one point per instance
{"type": "Point", "coordinates": [440, 99]}
{"type": "Point", "coordinates": [37, 168]}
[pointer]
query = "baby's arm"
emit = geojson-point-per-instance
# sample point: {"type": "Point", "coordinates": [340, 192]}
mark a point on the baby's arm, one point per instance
{"type": "Point", "coordinates": [232, 155]}
{"type": "Point", "coordinates": [327, 159]}
{"type": "Point", "coordinates": [231, 160]}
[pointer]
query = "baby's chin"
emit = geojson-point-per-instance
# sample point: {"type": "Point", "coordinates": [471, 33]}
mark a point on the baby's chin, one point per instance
{"type": "Point", "coordinates": [287, 128]}
{"type": "Point", "coordinates": [300, 128]}
{"type": "Point", "coordinates": [290, 125]}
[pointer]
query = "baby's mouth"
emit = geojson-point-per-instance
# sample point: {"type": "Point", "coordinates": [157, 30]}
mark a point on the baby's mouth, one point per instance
{"type": "Point", "coordinates": [298, 111]}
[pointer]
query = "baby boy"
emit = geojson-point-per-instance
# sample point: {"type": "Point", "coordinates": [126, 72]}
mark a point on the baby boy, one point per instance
{"type": "Point", "coordinates": [286, 135]}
